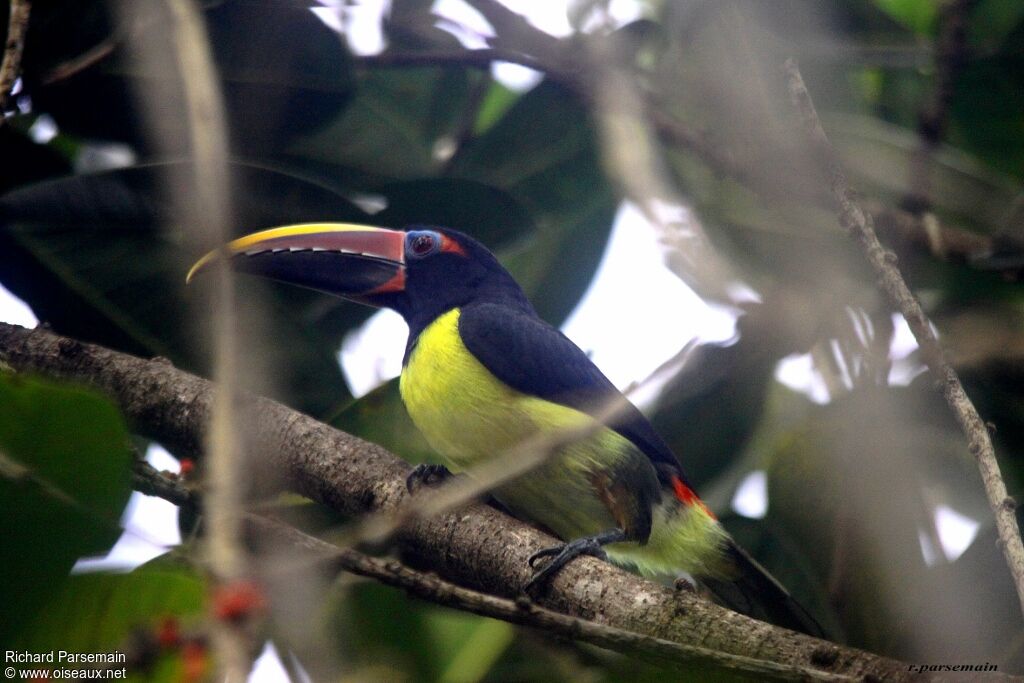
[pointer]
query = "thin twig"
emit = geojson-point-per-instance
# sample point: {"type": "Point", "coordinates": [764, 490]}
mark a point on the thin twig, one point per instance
{"type": "Point", "coordinates": [524, 612]}
{"type": "Point", "coordinates": [17, 24]}
{"type": "Point", "coordinates": [856, 221]}
{"type": "Point", "coordinates": [80, 63]}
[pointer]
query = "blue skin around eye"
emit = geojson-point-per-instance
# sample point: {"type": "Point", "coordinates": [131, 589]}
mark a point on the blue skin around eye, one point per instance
{"type": "Point", "coordinates": [411, 238]}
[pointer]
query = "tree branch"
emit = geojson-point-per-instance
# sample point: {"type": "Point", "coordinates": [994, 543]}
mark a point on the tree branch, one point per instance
{"type": "Point", "coordinates": [856, 221]}
{"type": "Point", "coordinates": [475, 546]}
{"type": "Point", "coordinates": [17, 24]}
{"type": "Point", "coordinates": [687, 659]}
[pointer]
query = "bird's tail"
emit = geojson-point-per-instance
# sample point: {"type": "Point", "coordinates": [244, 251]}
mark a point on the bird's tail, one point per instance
{"type": "Point", "coordinates": [757, 594]}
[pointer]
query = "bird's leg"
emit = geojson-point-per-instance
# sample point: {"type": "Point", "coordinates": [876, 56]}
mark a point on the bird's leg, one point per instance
{"type": "Point", "coordinates": [566, 552]}
{"type": "Point", "coordinates": [426, 474]}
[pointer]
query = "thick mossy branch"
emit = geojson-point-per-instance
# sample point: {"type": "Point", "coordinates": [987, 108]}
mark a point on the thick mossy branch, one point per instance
{"type": "Point", "coordinates": [475, 546]}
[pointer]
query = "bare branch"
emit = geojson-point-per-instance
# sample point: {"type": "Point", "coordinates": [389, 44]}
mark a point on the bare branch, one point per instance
{"type": "Point", "coordinates": [859, 223]}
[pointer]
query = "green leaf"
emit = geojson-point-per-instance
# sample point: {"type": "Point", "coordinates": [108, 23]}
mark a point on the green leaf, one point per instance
{"type": "Point", "coordinates": [487, 213]}
{"type": "Point", "coordinates": [75, 442]}
{"type": "Point", "coordinates": [991, 22]}
{"type": "Point", "coordinates": [709, 411]}
{"type": "Point", "coordinates": [917, 15]}
{"type": "Point", "coordinates": [396, 637]}
{"type": "Point", "coordinates": [394, 124]}
{"type": "Point", "coordinates": [964, 189]}
{"type": "Point", "coordinates": [496, 103]}
{"type": "Point", "coordinates": [106, 612]}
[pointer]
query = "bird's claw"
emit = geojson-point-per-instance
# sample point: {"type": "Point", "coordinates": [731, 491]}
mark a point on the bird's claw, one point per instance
{"type": "Point", "coordinates": [426, 474]}
{"type": "Point", "coordinates": [587, 546]}
{"type": "Point", "coordinates": [565, 553]}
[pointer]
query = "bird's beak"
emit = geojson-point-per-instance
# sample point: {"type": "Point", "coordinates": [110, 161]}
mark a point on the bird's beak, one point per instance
{"type": "Point", "coordinates": [354, 261]}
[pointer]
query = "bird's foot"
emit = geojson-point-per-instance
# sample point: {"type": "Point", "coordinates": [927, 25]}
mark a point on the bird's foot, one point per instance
{"type": "Point", "coordinates": [426, 474]}
{"type": "Point", "coordinates": [565, 553]}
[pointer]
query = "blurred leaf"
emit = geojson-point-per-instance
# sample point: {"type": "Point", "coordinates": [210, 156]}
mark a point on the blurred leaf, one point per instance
{"type": "Point", "coordinates": [917, 15]}
{"type": "Point", "coordinates": [97, 257]}
{"type": "Point", "coordinates": [496, 103]}
{"type": "Point", "coordinates": [785, 559]}
{"type": "Point", "coordinates": [985, 109]}
{"type": "Point", "coordinates": [475, 644]}
{"type": "Point", "coordinates": [488, 214]}
{"type": "Point", "coordinates": [856, 488]}
{"type": "Point", "coordinates": [283, 71]}
{"type": "Point", "coordinates": [394, 124]}
{"type": "Point", "coordinates": [544, 152]}
{"type": "Point", "coordinates": [117, 612]}
{"type": "Point", "coordinates": [964, 190]}
{"type": "Point", "coordinates": [383, 634]}
{"type": "Point", "coordinates": [74, 441]}
{"type": "Point", "coordinates": [35, 162]}
{"type": "Point", "coordinates": [710, 409]}
{"type": "Point", "coordinates": [992, 21]}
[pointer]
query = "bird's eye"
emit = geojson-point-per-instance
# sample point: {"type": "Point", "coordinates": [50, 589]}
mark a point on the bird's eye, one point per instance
{"type": "Point", "coordinates": [423, 243]}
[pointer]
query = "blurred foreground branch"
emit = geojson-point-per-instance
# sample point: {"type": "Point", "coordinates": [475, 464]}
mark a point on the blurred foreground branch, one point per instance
{"type": "Point", "coordinates": [860, 224]}
{"type": "Point", "coordinates": [17, 24]}
{"type": "Point", "coordinates": [475, 546]}
{"type": "Point", "coordinates": [208, 138]}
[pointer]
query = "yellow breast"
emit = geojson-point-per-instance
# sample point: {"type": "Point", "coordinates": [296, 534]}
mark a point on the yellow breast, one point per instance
{"type": "Point", "coordinates": [465, 413]}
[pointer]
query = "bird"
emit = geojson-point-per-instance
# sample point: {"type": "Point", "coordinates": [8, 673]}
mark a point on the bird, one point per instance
{"type": "Point", "coordinates": [483, 372]}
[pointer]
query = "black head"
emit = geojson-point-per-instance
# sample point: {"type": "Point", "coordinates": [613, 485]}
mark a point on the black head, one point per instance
{"type": "Point", "coordinates": [446, 269]}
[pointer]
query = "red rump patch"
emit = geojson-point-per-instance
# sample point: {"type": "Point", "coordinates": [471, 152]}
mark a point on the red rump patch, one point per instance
{"type": "Point", "coordinates": [687, 496]}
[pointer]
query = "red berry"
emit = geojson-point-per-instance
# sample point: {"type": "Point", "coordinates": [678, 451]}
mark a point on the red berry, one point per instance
{"type": "Point", "coordinates": [194, 661]}
{"type": "Point", "coordinates": [168, 634]}
{"type": "Point", "coordinates": [238, 600]}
